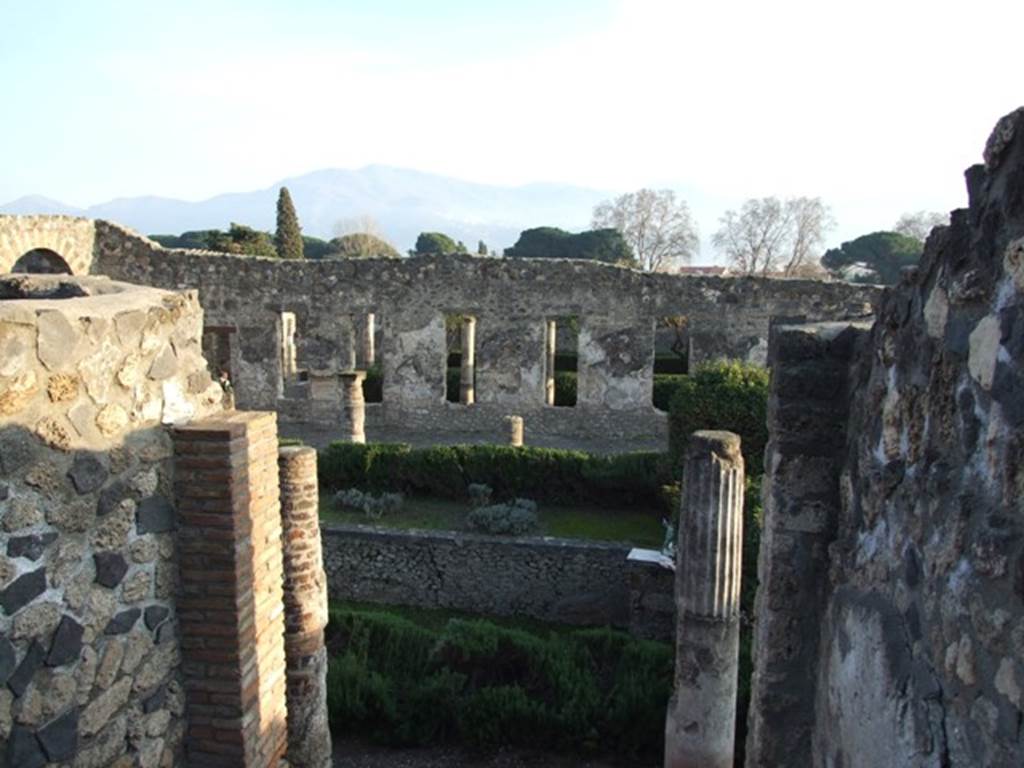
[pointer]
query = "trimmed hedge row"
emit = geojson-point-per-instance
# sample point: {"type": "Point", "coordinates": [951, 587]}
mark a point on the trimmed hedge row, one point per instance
{"type": "Point", "coordinates": [484, 685]}
{"type": "Point", "coordinates": [546, 475]}
{"type": "Point", "coordinates": [722, 395]}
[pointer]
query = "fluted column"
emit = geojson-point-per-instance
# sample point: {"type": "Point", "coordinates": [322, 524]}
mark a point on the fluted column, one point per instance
{"type": "Point", "coordinates": [515, 430]}
{"type": "Point", "coordinates": [467, 390]}
{"type": "Point", "coordinates": [551, 336]}
{"type": "Point", "coordinates": [701, 722]}
{"type": "Point", "coordinates": [354, 405]}
{"type": "Point", "coordinates": [305, 610]}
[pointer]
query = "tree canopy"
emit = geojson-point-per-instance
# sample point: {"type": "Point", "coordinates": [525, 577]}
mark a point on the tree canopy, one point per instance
{"type": "Point", "coordinates": [875, 258]}
{"type": "Point", "coordinates": [770, 235]}
{"type": "Point", "coordinates": [658, 229]}
{"type": "Point", "coordinates": [607, 245]}
{"type": "Point", "coordinates": [242, 240]}
{"type": "Point", "coordinates": [919, 224]}
{"type": "Point", "coordinates": [361, 245]}
{"type": "Point", "coordinates": [288, 237]}
{"type": "Point", "coordinates": [435, 244]}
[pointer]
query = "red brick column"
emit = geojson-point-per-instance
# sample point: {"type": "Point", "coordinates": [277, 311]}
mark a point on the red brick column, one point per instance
{"type": "Point", "coordinates": [305, 611]}
{"type": "Point", "coordinates": [230, 603]}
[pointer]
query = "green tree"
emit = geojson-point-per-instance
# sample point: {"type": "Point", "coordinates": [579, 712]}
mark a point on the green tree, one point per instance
{"type": "Point", "coordinates": [361, 245]}
{"type": "Point", "coordinates": [481, 248]}
{"type": "Point", "coordinates": [435, 244]}
{"type": "Point", "coordinates": [288, 238]}
{"type": "Point", "coordinates": [875, 258]}
{"type": "Point", "coordinates": [241, 239]}
{"type": "Point", "coordinates": [607, 245]}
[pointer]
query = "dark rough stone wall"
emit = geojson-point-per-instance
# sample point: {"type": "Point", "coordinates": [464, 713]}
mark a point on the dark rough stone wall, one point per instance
{"type": "Point", "coordinates": [556, 580]}
{"type": "Point", "coordinates": [906, 629]}
{"type": "Point", "coordinates": [511, 300]}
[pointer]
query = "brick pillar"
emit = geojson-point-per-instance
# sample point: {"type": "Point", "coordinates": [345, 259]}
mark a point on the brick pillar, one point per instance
{"type": "Point", "coordinates": [369, 348]}
{"type": "Point", "coordinates": [230, 603]}
{"type": "Point", "coordinates": [549, 362]}
{"type": "Point", "coordinates": [700, 725]}
{"type": "Point", "coordinates": [305, 611]}
{"type": "Point", "coordinates": [467, 376]}
{"type": "Point", "coordinates": [515, 430]}
{"type": "Point", "coordinates": [354, 405]}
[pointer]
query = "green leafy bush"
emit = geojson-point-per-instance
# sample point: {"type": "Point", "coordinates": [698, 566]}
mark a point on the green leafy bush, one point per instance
{"type": "Point", "coordinates": [373, 384]}
{"type": "Point", "coordinates": [565, 388]}
{"type": "Point", "coordinates": [722, 395]}
{"type": "Point", "coordinates": [481, 684]}
{"type": "Point", "coordinates": [548, 475]}
{"type": "Point", "coordinates": [512, 519]}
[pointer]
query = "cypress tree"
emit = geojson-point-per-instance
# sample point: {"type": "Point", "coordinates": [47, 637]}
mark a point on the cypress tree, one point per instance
{"type": "Point", "coordinates": [288, 238]}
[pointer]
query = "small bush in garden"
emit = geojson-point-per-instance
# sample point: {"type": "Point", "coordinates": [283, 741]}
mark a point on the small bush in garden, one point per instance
{"type": "Point", "coordinates": [373, 507]}
{"type": "Point", "coordinates": [513, 519]}
{"type": "Point", "coordinates": [479, 494]}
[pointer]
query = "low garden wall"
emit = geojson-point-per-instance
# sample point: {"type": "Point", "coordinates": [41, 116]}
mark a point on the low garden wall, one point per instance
{"type": "Point", "coordinates": [557, 580]}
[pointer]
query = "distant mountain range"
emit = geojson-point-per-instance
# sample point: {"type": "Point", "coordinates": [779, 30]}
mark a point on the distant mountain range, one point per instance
{"type": "Point", "coordinates": [403, 202]}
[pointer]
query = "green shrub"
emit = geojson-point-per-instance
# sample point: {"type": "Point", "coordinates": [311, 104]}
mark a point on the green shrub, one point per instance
{"type": "Point", "coordinates": [665, 386]}
{"type": "Point", "coordinates": [550, 476]}
{"type": "Point", "coordinates": [512, 519]}
{"type": "Point", "coordinates": [722, 395]}
{"type": "Point", "coordinates": [486, 685]}
{"type": "Point", "coordinates": [373, 384]}
{"type": "Point", "coordinates": [565, 388]}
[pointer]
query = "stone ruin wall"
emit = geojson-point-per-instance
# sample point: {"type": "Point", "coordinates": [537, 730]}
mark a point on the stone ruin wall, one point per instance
{"type": "Point", "coordinates": [891, 606]}
{"type": "Point", "coordinates": [89, 646]}
{"type": "Point", "coordinates": [244, 298]}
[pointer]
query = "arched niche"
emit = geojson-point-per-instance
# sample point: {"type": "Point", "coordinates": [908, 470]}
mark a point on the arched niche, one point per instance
{"type": "Point", "coordinates": [42, 261]}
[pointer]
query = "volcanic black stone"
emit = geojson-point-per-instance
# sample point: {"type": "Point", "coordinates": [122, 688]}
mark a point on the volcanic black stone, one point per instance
{"type": "Point", "coordinates": [5, 491]}
{"type": "Point", "coordinates": [24, 749]}
{"type": "Point", "coordinates": [123, 622]}
{"type": "Point", "coordinates": [32, 661]}
{"type": "Point", "coordinates": [60, 737]}
{"type": "Point", "coordinates": [154, 515]}
{"type": "Point", "coordinates": [31, 547]}
{"type": "Point", "coordinates": [110, 568]}
{"type": "Point", "coordinates": [23, 590]}
{"type": "Point", "coordinates": [67, 643]}
{"type": "Point", "coordinates": [110, 497]}
{"type": "Point", "coordinates": [87, 473]}
{"type": "Point", "coordinates": [154, 702]}
{"type": "Point", "coordinates": [155, 615]}
{"type": "Point", "coordinates": [8, 660]}
{"type": "Point", "coordinates": [165, 632]}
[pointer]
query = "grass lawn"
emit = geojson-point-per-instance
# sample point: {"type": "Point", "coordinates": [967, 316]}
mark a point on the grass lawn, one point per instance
{"type": "Point", "coordinates": [639, 527]}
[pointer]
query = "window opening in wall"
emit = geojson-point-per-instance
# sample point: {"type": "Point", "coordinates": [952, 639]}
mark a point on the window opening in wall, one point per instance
{"type": "Point", "coordinates": [217, 351]}
{"type": "Point", "coordinates": [561, 360]}
{"type": "Point", "coordinates": [460, 368]}
{"type": "Point", "coordinates": [42, 261]}
{"type": "Point", "coordinates": [369, 336]}
{"type": "Point", "coordinates": [671, 357]}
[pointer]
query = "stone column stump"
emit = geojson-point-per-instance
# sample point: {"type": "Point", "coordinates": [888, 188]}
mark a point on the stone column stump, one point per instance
{"type": "Point", "coordinates": [515, 431]}
{"type": "Point", "coordinates": [701, 721]}
{"type": "Point", "coordinates": [354, 405]}
{"type": "Point", "coordinates": [305, 610]}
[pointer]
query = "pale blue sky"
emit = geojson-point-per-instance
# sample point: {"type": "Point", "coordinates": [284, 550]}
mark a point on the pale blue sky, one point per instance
{"type": "Point", "coordinates": [875, 106]}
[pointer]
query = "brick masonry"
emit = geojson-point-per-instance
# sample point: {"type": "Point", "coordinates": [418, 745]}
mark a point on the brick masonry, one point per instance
{"type": "Point", "coordinates": [231, 602]}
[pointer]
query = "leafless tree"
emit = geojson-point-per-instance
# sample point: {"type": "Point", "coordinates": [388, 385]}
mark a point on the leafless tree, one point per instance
{"type": "Point", "coordinates": [918, 225]}
{"type": "Point", "coordinates": [658, 228]}
{"type": "Point", "coordinates": [769, 235]}
{"type": "Point", "coordinates": [357, 225]}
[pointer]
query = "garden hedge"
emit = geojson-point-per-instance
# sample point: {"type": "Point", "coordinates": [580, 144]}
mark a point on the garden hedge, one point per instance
{"type": "Point", "coordinates": [484, 685]}
{"type": "Point", "coordinates": [546, 475]}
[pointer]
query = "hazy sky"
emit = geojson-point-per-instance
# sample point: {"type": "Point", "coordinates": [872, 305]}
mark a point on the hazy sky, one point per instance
{"type": "Point", "coordinates": [877, 107]}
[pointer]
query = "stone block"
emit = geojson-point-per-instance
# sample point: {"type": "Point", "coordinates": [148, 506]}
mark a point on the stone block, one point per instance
{"type": "Point", "coordinates": [67, 643]}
